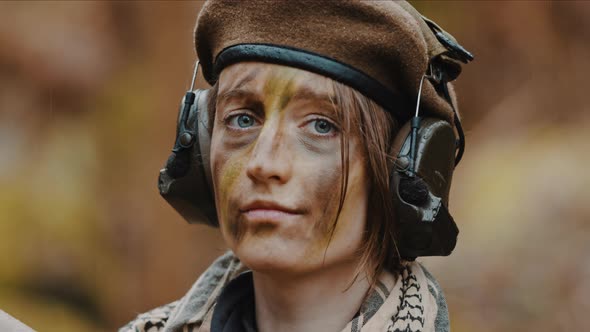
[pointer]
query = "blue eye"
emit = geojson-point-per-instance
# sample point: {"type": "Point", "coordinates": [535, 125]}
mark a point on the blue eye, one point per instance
{"type": "Point", "coordinates": [245, 121]}
{"type": "Point", "coordinates": [323, 126]}
{"type": "Point", "coordinates": [242, 121]}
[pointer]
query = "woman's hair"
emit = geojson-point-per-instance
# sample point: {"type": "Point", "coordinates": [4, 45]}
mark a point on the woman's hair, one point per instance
{"type": "Point", "coordinates": [375, 128]}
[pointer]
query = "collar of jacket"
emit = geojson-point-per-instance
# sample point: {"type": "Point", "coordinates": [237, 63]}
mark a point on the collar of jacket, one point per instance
{"type": "Point", "coordinates": [234, 310]}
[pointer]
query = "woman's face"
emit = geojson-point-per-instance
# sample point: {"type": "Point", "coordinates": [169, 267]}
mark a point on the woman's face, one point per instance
{"type": "Point", "coordinates": [277, 171]}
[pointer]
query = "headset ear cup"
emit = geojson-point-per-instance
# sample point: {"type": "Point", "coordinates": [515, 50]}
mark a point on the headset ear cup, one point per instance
{"type": "Point", "coordinates": [425, 228]}
{"type": "Point", "coordinates": [191, 193]}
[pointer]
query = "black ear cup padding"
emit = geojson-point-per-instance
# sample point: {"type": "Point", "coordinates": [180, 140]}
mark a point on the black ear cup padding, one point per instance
{"type": "Point", "coordinates": [178, 164]}
{"type": "Point", "coordinates": [413, 190]}
{"type": "Point", "coordinates": [435, 238]}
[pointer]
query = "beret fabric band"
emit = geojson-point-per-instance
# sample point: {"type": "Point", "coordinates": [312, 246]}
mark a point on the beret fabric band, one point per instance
{"type": "Point", "coordinates": [315, 63]}
{"type": "Point", "coordinates": [380, 48]}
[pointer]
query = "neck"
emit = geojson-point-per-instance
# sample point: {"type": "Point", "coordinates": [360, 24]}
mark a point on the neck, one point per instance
{"type": "Point", "coordinates": [319, 301]}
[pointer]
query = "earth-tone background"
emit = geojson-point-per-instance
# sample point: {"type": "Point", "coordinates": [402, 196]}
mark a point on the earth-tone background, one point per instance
{"type": "Point", "coordinates": [88, 101]}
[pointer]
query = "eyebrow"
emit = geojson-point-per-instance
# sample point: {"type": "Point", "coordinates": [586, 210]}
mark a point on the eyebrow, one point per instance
{"type": "Point", "coordinates": [307, 93]}
{"type": "Point", "coordinates": [302, 93]}
{"type": "Point", "coordinates": [237, 90]}
{"type": "Point", "coordinates": [238, 93]}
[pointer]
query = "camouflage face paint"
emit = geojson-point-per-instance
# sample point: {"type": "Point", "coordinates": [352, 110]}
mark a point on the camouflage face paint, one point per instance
{"type": "Point", "coordinates": [267, 146]}
{"type": "Point", "coordinates": [279, 89]}
{"type": "Point", "coordinates": [229, 175]}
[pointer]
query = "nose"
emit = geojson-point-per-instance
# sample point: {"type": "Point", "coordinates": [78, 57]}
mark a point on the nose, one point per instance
{"type": "Point", "coordinates": [270, 160]}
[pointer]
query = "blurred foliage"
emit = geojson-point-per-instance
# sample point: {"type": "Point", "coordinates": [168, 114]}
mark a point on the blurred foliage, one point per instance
{"type": "Point", "coordinates": [88, 100]}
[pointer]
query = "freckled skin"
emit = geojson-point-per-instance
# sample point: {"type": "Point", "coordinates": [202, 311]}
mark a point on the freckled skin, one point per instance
{"type": "Point", "coordinates": [281, 158]}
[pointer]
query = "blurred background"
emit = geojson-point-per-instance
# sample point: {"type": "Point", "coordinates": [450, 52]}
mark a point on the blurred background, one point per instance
{"type": "Point", "coordinates": [88, 101]}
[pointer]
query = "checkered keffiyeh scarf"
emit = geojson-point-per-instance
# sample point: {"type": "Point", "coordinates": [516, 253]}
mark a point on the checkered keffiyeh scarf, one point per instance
{"type": "Point", "coordinates": [409, 303]}
{"type": "Point", "coordinates": [405, 305]}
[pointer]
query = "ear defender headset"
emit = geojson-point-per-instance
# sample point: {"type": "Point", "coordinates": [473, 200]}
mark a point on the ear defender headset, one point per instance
{"type": "Point", "coordinates": [427, 151]}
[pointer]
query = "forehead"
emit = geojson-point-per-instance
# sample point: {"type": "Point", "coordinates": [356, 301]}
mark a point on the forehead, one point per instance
{"type": "Point", "coordinates": [271, 79]}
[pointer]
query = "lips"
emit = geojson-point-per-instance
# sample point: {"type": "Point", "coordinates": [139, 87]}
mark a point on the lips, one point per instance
{"type": "Point", "coordinates": [268, 211]}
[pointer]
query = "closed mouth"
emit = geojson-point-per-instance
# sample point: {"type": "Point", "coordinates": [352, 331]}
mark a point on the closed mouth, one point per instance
{"type": "Point", "coordinates": [268, 211]}
{"type": "Point", "coordinates": [269, 206]}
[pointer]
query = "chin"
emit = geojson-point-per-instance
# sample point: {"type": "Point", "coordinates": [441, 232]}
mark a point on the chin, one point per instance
{"type": "Point", "coordinates": [268, 257]}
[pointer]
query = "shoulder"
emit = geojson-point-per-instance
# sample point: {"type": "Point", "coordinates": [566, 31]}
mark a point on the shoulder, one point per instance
{"type": "Point", "coordinates": [194, 305]}
{"type": "Point", "coordinates": [153, 320]}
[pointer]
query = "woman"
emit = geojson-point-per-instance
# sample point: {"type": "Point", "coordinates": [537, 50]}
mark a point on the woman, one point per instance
{"type": "Point", "coordinates": [313, 192]}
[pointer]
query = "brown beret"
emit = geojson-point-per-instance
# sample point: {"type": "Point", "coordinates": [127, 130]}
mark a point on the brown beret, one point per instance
{"type": "Point", "coordinates": [380, 48]}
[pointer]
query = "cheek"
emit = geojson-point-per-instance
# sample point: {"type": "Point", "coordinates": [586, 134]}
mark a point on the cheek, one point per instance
{"type": "Point", "coordinates": [350, 223]}
{"type": "Point", "coordinates": [354, 209]}
{"type": "Point", "coordinates": [226, 169]}
{"type": "Point", "coordinates": [326, 198]}
{"type": "Point", "coordinates": [226, 182]}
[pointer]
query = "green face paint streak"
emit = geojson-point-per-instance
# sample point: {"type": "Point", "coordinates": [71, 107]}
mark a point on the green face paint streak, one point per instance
{"type": "Point", "coordinates": [279, 89]}
{"type": "Point", "coordinates": [229, 175]}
